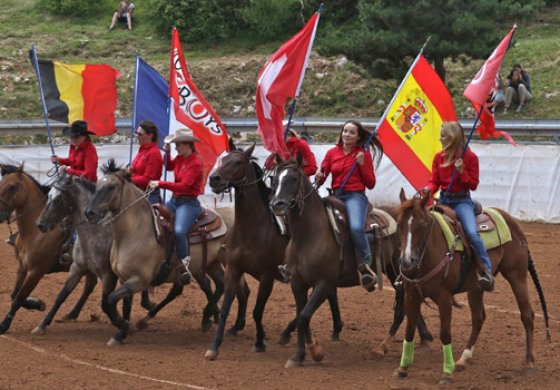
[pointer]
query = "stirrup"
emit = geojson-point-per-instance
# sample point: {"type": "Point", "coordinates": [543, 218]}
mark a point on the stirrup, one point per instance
{"type": "Point", "coordinates": [186, 275]}
{"type": "Point", "coordinates": [486, 282]}
{"type": "Point", "coordinates": [283, 275]}
{"type": "Point", "coordinates": [368, 278]}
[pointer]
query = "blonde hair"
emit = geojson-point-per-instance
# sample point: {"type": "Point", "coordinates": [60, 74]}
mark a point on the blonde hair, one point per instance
{"type": "Point", "coordinates": [455, 131]}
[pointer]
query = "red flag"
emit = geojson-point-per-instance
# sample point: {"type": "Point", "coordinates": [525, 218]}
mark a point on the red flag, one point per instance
{"type": "Point", "coordinates": [280, 78]}
{"type": "Point", "coordinates": [410, 127]}
{"type": "Point", "coordinates": [482, 91]}
{"type": "Point", "coordinates": [193, 111]}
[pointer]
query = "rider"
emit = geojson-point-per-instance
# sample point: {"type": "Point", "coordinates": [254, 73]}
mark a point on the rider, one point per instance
{"type": "Point", "coordinates": [188, 171]}
{"type": "Point", "coordinates": [351, 165]}
{"type": "Point", "coordinates": [148, 163]}
{"type": "Point", "coordinates": [81, 161]}
{"type": "Point", "coordinates": [458, 195]}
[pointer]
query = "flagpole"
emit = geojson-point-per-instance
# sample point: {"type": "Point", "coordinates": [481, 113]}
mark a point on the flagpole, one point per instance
{"type": "Point", "coordinates": [45, 113]}
{"type": "Point", "coordinates": [134, 113]}
{"type": "Point", "coordinates": [477, 119]}
{"type": "Point", "coordinates": [304, 68]}
{"type": "Point", "coordinates": [374, 132]}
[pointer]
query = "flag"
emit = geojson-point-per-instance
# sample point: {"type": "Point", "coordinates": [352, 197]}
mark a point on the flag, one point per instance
{"type": "Point", "coordinates": [192, 110]}
{"type": "Point", "coordinates": [150, 98]}
{"type": "Point", "coordinates": [82, 91]}
{"type": "Point", "coordinates": [410, 127]}
{"type": "Point", "coordinates": [280, 78]}
{"type": "Point", "coordinates": [483, 88]}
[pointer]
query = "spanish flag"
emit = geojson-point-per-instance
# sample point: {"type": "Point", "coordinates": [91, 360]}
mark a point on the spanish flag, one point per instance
{"type": "Point", "coordinates": [86, 92]}
{"type": "Point", "coordinates": [410, 127]}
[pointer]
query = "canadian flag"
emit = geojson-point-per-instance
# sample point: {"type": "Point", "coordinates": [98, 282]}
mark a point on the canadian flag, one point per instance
{"type": "Point", "coordinates": [190, 109]}
{"type": "Point", "coordinates": [281, 78]}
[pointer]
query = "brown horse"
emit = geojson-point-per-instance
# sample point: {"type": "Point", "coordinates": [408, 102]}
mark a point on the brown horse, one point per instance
{"type": "Point", "coordinates": [432, 268]}
{"type": "Point", "coordinates": [313, 256]}
{"type": "Point", "coordinates": [137, 256]}
{"type": "Point", "coordinates": [37, 253]}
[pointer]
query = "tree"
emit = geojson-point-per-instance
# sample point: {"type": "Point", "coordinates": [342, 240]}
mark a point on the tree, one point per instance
{"type": "Point", "coordinates": [386, 34]}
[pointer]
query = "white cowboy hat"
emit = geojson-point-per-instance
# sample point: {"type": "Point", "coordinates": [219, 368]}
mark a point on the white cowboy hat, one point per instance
{"type": "Point", "coordinates": [291, 130]}
{"type": "Point", "coordinates": [181, 135]}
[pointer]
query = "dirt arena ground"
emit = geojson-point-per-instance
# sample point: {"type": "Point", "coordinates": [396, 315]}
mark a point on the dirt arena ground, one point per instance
{"type": "Point", "coordinates": [170, 354]}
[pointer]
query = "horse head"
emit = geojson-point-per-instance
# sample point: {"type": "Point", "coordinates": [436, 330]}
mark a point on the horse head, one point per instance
{"type": "Point", "coordinates": [232, 170]}
{"type": "Point", "coordinates": [10, 189]}
{"type": "Point", "coordinates": [289, 186]}
{"type": "Point", "coordinates": [59, 203]}
{"type": "Point", "coordinates": [108, 192]}
{"type": "Point", "coordinates": [414, 225]}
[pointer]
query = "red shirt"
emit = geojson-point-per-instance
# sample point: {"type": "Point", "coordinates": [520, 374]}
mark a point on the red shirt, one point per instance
{"type": "Point", "coordinates": [296, 145]}
{"type": "Point", "coordinates": [340, 164]}
{"type": "Point", "coordinates": [147, 165]}
{"type": "Point", "coordinates": [441, 176]}
{"type": "Point", "coordinates": [82, 161]}
{"type": "Point", "coordinates": [188, 176]}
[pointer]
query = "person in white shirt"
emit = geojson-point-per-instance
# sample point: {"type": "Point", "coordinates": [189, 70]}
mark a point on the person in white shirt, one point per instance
{"type": "Point", "coordinates": [123, 15]}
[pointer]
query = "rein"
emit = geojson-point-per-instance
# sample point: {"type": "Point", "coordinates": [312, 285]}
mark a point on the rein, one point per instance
{"type": "Point", "coordinates": [9, 205]}
{"type": "Point", "coordinates": [110, 218]}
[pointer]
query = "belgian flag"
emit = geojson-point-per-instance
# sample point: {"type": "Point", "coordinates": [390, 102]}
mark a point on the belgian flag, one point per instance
{"type": "Point", "coordinates": [82, 91]}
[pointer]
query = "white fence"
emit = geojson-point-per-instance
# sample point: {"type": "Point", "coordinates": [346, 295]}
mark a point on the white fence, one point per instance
{"type": "Point", "coordinates": [523, 180]}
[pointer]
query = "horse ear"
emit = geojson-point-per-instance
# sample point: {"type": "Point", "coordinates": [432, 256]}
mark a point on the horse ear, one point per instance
{"type": "Point", "coordinates": [231, 144]}
{"type": "Point", "coordinates": [249, 151]}
{"type": "Point", "coordinates": [402, 195]}
{"type": "Point", "coordinates": [299, 159]}
{"type": "Point", "coordinates": [277, 158]}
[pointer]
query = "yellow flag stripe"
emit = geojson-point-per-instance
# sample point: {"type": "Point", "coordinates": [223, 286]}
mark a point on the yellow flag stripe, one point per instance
{"type": "Point", "coordinates": [69, 82]}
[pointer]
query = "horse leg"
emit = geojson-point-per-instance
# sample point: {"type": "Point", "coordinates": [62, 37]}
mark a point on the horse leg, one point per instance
{"type": "Point", "coordinates": [91, 282]}
{"type": "Point", "coordinates": [29, 283]}
{"type": "Point", "coordinates": [445, 311]}
{"type": "Point", "coordinates": [30, 303]}
{"type": "Point", "coordinates": [216, 273]}
{"type": "Point", "coordinates": [478, 315]}
{"type": "Point", "coordinates": [127, 307]}
{"type": "Point", "coordinates": [412, 311]}
{"type": "Point", "coordinates": [242, 294]}
{"type": "Point", "coordinates": [126, 290]}
{"type": "Point", "coordinates": [146, 302]}
{"type": "Point", "coordinates": [265, 289]}
{"type": "Point", "coordinates": [69, 286]}
{"type": "Point", "coordinates": [300, 296]}
{"type": "Point", "coordinates": [174, 292]}
{"type": "Point", "coordinates": [335, 312]}
{"type": "Point", "coordinates": [206, 287]}
{"type": "Point", "coordinates": [318, 296]}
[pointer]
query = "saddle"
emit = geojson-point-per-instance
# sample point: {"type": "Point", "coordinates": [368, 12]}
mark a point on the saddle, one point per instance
{"type": "Point", "coordinates": [208, 226]}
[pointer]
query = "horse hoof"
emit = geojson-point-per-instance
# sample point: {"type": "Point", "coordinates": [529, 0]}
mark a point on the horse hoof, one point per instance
{"type": "Point", "coordinates": [42, 306]}
{"type": "Point", "coordinates": [113, 342]}
{"type": "Point", "coordinates": [529, 371]}
{"type": "Point", "coordinates": [67, 318]}
{"type": "Point", "coordinates": [293, 364]}
{"type": "Point", "coordinates": [316, 352]}
{"type": "Point", "coordinates": [460, 366]}
{"type": "Point", "coordinates": [142, 324]}
{"type": "Point", "coordinates": [335, 337]}
{"type": "Point", "coordinates": [425, 346]}
{"type": "Point", "coordinates": [261, 348]}
{"type": "Point", "coordinates": [400, 373]}
{"type": "Point", "coordinates": [446, 380]}
{"type": "Point", "coordinates": [206, 326]}
{"type": "Point", "coordinates": [211, 355]}
{"type": "Point", "coordinates": [284, 339]}
{"type": "Point", "coordinates": [40, 331]}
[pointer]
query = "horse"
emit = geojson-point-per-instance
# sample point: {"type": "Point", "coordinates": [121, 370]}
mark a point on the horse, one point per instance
{"type": "Point", "coordinates": [255, 246]}
{"type": "Point", "coordinates": [435, 268]}
{"type": "Point", "coordinates": [37, 253]}
{"type": "Point", "coordinates": [137, 257]}
{"type": "Point", "coordinates": [313, 255]}
{"type": "Point", "coordinates": [67, 199]}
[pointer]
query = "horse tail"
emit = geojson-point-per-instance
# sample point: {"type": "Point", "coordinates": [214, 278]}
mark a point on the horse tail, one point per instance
{"type": "Point", "coordinates": [536, 281]}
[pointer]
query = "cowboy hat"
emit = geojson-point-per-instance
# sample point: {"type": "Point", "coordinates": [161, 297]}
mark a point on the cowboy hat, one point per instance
{"type": "Point", "coordinates": [181, 135]}
{"type": "Point", "coordinates": [76, 129]}
{"type": "Point", "coordinates": [290, 130]}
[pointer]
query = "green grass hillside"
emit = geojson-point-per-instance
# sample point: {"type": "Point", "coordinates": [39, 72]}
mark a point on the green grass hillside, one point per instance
{"type": "Point", "coordinates": [226, 73]}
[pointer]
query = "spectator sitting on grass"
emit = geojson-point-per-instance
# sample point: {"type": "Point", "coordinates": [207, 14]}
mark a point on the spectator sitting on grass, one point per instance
{"type": "Point", "coordinates": [123, 15]}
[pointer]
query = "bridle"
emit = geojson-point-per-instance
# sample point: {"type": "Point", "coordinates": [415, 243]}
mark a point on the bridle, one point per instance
{"type": "Point", "coordinates": [109, 217]}
{"type": "Point", "coordinates": [10, 205]}
{"type": "Point", "coordinates": [244, 181]}
{"type": "Point", "coordinates": [300, 195]}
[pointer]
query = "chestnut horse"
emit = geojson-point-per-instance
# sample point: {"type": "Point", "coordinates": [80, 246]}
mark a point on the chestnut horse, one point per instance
{"type": "Point", "coordinates": [37, 253]}
{"type": "Point", "coordinates": [67, 199]}
{"type": "Point", "coordinates": [137, 256]}
{"type": "Point", "coordinates": [313, 256]}
{"type": "Point", "coordinates": [432, 268]}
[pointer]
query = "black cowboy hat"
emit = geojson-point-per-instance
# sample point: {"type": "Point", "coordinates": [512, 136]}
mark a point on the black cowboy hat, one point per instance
{"type": "Point", "coordinates": [76, 129]}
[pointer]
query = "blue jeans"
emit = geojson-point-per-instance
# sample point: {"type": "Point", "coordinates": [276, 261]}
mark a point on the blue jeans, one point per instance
{"type": "Point", "coordinates": [464, 208]}
{"type": "Point", "coordinates": [186, 213]}
{"type": "Point", "coordinates": [356, 210]}
{"type": "Point", "coordinates": [155, 196]}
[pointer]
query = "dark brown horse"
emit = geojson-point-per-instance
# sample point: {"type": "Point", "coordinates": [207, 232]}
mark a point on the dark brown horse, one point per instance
{"type": "Point", "coordinates": [37, 253]}
{"type": "Point", "coordinates": [313, 256]}
{"type": "Point", "coordinates": [436, 270]}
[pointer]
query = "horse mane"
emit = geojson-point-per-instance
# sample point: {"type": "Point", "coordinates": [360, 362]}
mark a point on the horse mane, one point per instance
{"type": "Point", "coordinates": [88, 185]}
{"type": "Point", "coordinates": [110, 167]}
{"type": "Point", "coordinates": [405, 206]}
{"type": "Point", "coordinates": [7, 169]}
{"type": "Point", "coordinates": [264, 190]}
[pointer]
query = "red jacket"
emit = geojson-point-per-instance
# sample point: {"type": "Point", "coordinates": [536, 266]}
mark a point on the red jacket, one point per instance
{"type": "Point", "coordinates": [441, 176]}
{"type": "Point", "coordinates": [339, 164]}
{"type": "Point", "coordinates": [188, 176]}
{"type": "Point", "coordinates": [147, 165]}
{"type": "Point", "coordinates": [82, 161]}
{"type": "Point", "coordinates": [296, 145]}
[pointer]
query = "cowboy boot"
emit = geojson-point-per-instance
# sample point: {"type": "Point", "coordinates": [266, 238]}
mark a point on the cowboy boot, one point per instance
{"type": "Point", "coordinates": [12, 239]}
{"type": "Point", "coordinates": [486, 280]}
{"type": "Point", "coordinates": [66, 256]}
{"type": "Point", "coordinates": [186, 275]}
{"type": "Point", "coordinates": [368, 278]}
{"type": "Point", "coordinates": [283, 275]}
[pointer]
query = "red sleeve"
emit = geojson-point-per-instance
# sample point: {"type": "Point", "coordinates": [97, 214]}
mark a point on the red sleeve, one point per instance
{"type": "Point", "coordinates": [310, 164]}
{"type": "Point", "coordinates": [90, 165]}
{"type": "Point", "coordinates": [366, 170]}
{"type": "Point", "coordinates": [469, 178]}
{"type": "Point", "coordinates": [326, 165]}
{"type": "Point", "coordinates": [435, 181]}
{"type": "Point", "coordinates": [153, 164]}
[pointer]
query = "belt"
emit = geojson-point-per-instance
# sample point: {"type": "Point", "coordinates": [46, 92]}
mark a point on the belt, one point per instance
{"type": "Point", "coordinates": [349, 193]}
{"type": "Point", "coordinates": [184, 198]}
{"type": "Point", "coordinates": [455, 195]}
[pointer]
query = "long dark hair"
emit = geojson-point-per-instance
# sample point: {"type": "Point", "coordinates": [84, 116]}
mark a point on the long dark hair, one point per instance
{"type": "Point", "coordinates": [374, 146]}
{"type": "Point", "coordinates": [150, 128]}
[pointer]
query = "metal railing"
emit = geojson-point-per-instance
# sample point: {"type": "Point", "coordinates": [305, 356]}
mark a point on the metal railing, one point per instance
{"type": "Point", "coordinates": [537, 130]}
